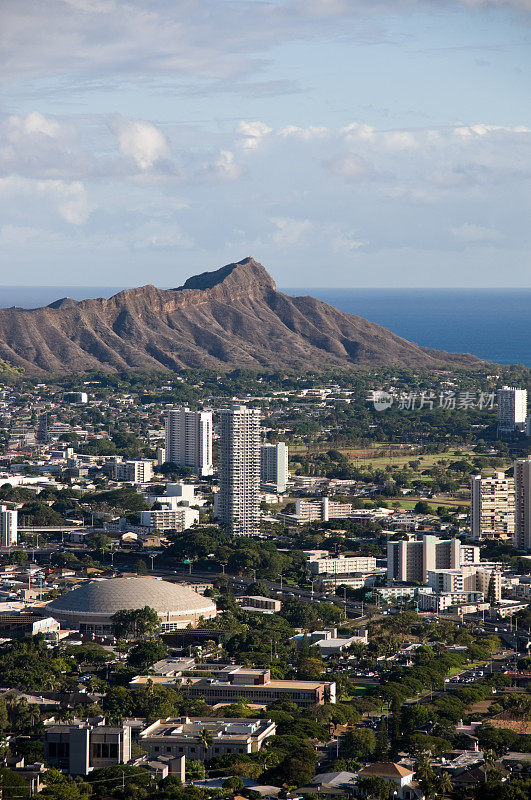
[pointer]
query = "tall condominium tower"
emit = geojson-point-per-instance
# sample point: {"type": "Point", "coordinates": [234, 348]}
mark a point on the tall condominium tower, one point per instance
{"type": "Point", "coordinates": [8, 527]}
{"type": "Point", "coordinates": [274, 465]}
{"type": "Point", "coordinates": [522, 504]}
{"type": "Point", "coordinates": [492, 509]}
{"type": "Point", "coordinates": [238, 505]}
{"type": "Point", "coordinates": [189, 439]}
{"type": "Point", "coordinates": [512, 409]}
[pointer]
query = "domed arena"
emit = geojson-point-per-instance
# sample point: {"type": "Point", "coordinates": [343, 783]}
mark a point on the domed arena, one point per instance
{"type": "Point", "coordinates": [90, 607]}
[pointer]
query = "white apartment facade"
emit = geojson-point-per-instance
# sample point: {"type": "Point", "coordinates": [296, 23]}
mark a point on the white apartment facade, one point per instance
{"type": "Point", "coordinates": [179, 519]}
{"type": "Point", "coordinates": [274, 465]}
{"type": "Point", "coordinates": [238, 499]}
{"type": "Point", "coordinates": [512, 409]}
{"type": "Point", "coordinates": [469, 578]}
{"type": "Point", "coordinates": [8, 527]}
{"type": "Point", "coordinates": [133, 471]}
{"type": "Point", "coordinates": [188, 439]}
{"type": "Point", "coordinates": [321, 510]}
{"type": "Point", "coordinates": [492, 507]}
{"type": "Point", "coordinates": [342, 565]}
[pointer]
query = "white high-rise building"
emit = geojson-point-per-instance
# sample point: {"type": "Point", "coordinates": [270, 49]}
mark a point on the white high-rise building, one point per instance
{"type": "Point", "coordinates": [274, 465]}
{"type": "Point", "coordinates": [238, 500]}
{"type": "Point", "coordinates": [189, 439]}
{"type": "Point", "coordinates": [492, 509]}
{"type": "Point", "coordinates": [8, 527]}
{"type": "Point", "coordinates": [512, 409]}
{"type": "Point", "coordinates": [522, 504]}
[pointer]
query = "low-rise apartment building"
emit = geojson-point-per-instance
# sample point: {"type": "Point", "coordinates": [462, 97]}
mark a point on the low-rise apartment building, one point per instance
{"type": "Point", "coordinates": [164, 519]}
{"type": "Point", "coordinates": [342, 565]}
{"type": "Point", "coordinates": [133, 471]}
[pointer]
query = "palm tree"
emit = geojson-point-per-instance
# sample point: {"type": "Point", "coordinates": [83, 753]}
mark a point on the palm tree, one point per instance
{"type": "Point", "coordinates": [444, 784]}
{"type": "Point", "coordinates": [207, 740]}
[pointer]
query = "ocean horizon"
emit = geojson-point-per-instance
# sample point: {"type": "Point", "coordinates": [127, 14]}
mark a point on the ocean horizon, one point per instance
{"type": "Point", "coordinates": [494, 324]}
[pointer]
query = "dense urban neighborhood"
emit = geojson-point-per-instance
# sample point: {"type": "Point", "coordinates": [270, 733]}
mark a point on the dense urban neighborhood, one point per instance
{"type": "Point", "coordinates": [275, 585]}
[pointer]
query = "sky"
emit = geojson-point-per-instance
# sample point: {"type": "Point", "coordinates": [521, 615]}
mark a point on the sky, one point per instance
{"type": "Point", "coordinates": [341, 143]}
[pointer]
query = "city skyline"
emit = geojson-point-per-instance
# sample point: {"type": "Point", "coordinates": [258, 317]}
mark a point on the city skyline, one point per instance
{"type": "Point", "coordinates": [391, 145]}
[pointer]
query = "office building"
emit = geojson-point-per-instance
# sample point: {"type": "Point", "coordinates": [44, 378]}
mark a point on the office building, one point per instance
{"type": "Point", "coordinates": [167, 519]}
{"type": "Point", "coordinates": [522, 504]}
{"type": "Point", "coordinates": [274, 465]}
{"type": "Point", "coordinates": [238, 499]}
{"type": "Point", "coordinates": [411, 559]}
{"type": "Point", "coordinates": [189, 439]}
{"type": "Point", "coordinates": [84, 745]}
{"type": "Point", "coordinates": [229, 683]}
{"type": "Point", "coordinates": [512, 409]}
{"type": "Point", "coordinates": [8, 527]}
{"type": "Point", "coordinates": [183, 736]}
{"type": "Point", "coordinates": [492, 507]}
{"type": "Point", "coordinates": [133, 471]}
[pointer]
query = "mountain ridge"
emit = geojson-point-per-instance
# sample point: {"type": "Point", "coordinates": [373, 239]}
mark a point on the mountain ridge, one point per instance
{"type": "Point", "coordinates": [230, 317]}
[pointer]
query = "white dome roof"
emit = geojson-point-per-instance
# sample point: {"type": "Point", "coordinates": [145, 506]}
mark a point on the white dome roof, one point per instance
{"type": "Point", "coordinates": [106, 596]}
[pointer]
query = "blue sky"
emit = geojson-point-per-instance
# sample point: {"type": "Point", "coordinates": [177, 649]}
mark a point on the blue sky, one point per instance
{"type": "Point", "coordinates": [340, 142]}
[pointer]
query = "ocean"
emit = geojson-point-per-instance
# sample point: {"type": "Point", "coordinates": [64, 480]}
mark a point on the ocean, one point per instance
{"type": "Point", "coordinates": [494, 324]}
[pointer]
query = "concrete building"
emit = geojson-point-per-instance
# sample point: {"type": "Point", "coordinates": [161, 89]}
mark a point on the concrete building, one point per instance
{"type": "Point", "coordinates": [238, 499]}
{"type": "Point", "coordinates": [321, 510]}
{"type": "Point", "coordinates": [166, 519]}
{"type": "Point", "coordinates": [83, 745]}
{"type": "Point", "coordinates": [342, 565]}
{"type": "Point", "coordinates": [411, 559]}
{"type": "Point", "coordinates": [180, 736]}
{"type": "Point", "coordinates": [264, 605]}
{"type": "Point", "coordinates": [512, 409]}
{"type": "Point", "coordinates": [227, 683]}
{"type": "Point", "coordinates": [91, 606]}
{"type": "Point", "coordinates": [522, 504]}
{"type": "Point", "coordinates": [492, 507]}
{"type": "Point", "coordinates": [189, 439]}
{"type": "Point", "coordinates": [469, 578]}
{"type": "Point", "coordinates": [274, 465]}
{"type": "Point", "coordinates": [8, 527]}
{"type": "Point", "coordinates": [133, 471]}
{"type": "Point", "coordinates": [75, 397]}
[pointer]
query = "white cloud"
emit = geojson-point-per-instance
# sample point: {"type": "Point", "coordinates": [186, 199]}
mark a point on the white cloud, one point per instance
{"type": "Point", "coordinates": [288, 231]}
{"type": "Point", "coordinates": [469, 233]}
{"type": "Point", "coordinates": [312, 132]}
{"type": "Point", "coordinates": [140, 140]}
{"type": "Point", "coordinates": [33, 123]}
{"type": "Point", "coordinates": [253, 132]}
{"type": "Point", "coordinates": [224, 168]}
{"type": "Point", "coordinates": [69, 199]}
